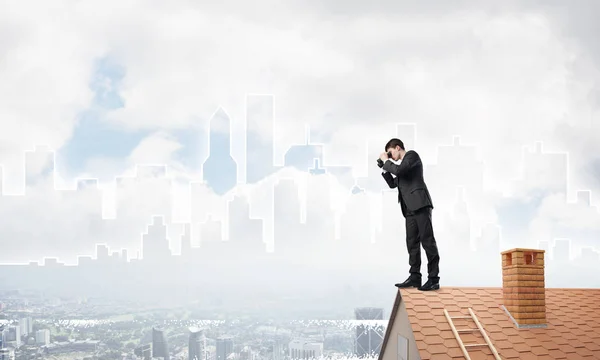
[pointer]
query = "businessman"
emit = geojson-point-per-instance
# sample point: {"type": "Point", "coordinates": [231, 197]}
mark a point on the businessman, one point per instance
{"type": "Point", "coordinates": [416, 206]}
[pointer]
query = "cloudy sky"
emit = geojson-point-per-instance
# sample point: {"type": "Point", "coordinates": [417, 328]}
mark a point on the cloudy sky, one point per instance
{"type": "Point", "coordinates": [113, 84]}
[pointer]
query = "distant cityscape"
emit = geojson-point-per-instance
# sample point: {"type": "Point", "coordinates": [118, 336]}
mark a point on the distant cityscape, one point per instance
{"type": "Point", "coordinates": [138, 337]}
{"type": "Point", "coordinates": [303, 224]}
{"type": "Point", "coordinates": [262, 278]}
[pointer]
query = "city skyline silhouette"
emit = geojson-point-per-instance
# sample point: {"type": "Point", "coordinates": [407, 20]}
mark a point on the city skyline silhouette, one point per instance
{"type": "Point", "coordinates": [304, 214]}
{"type": "Point", "coordinates": [130, 170]}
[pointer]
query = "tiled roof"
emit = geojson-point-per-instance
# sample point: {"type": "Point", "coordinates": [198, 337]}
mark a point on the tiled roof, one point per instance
{"type": "Point", "coordinates": [572, 331]}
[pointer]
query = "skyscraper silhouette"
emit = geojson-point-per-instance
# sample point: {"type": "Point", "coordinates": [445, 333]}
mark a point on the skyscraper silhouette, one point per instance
{"type": "Point", "coordinates": [369, 334]}
{"type": "Point", "coordinates": [259, 137]}
{"type": "Point", "coordinates": [102, 252]}
{"type": "Point", "coordinates": [224, 347]}
{"type": "Point", "coordinates": [544, 172]}
{"type": "Point", "coordinates": [584, 197]}
{"type": "Point", "coordinates": [561, 251]}
{"type": "Point", "coordinates": [460, 222]}
{"type": "Point", "coordinates": [220, 170]}
{"type": "Point", "coordinates": [545, 245]}
{"type": "Point", "coordinates": [586, 233]}
{"type": "Point", "coordinates": [155, 242]}
{"type": "Point", "coordinates": [407, 132]}
{"type": "Point", "coordinates": [373, 182]}
{"type": "Point", "coordinates": [132, 194]}
{"type": "Point", "coordinates": [488, 243]}
{"type": "Point", "coordinates": [317, 169]}
{"type": "Point", "coordinates": [1, 180]}
{"type": "Point", "coordinates": [160, 347]}
{"type": "Point", "coordinates": [457, 165]}
{"type": "Point", "coordinates": [88, 190]}
{"type": "Point", "coordinates": [391, 242]}
{"type": "Point", "coordinates": [355, 225]}
{"type": "Point", "coordinates": [320, 218]}
{"type": "Point", "coordinates": [245, 233]}
{"type": "Point", "coordinates": [302, 157]}
{"type": "Point", "coordinates": [39, 167]}
{"type": "Point", "coordinates": [197, 344]}
{"type": "Point", "coordinates": [186, 242]}
{"type": "Point", "coordinates": [212, 246]}
{"type": "Point", "coordinates": [589, 256]}
{"type": "Point", "coordinates": [288, 231]}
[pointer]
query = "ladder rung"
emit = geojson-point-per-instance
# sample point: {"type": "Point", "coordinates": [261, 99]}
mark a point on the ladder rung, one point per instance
{"type": "Point", "coordinates": [464, 346]}
{"type": "Point", "coordinates": [466, 330]}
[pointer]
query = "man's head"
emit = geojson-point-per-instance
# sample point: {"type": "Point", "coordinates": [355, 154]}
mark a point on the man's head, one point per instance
{"type": "Point", "coordinates": [395, 149]}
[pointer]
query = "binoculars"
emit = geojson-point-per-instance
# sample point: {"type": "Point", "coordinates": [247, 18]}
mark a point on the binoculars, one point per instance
{"type": "Point", "coordinates": [380, 163]}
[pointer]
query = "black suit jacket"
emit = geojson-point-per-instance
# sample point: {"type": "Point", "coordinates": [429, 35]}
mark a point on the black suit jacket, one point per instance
{"type": "Point", "coordinates": [413, 194]}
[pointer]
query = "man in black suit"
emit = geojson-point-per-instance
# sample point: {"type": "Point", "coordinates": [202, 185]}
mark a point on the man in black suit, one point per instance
{"type": "Point", "coordinates": [416, 206]}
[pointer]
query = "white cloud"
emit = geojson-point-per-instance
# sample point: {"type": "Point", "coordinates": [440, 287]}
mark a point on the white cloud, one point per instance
{"type": "Point", "coordinates": [157, 148]}
{"type": "Point", "coordinates": [474, 73]}
{"type": "Point", "coordinates": [64, 224]}
{"type": "Point", "coordinates": [45, 67]}
{"type": "Point", "coordinates": [480, 77]}
{"type": "Point", "coordinates": [500, 80]}
{"type": "Point", "coordinates": [556, 212]}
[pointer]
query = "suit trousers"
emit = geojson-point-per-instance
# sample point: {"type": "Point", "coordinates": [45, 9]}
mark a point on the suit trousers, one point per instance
{"type": "Point", "coordinates": [419, 231]}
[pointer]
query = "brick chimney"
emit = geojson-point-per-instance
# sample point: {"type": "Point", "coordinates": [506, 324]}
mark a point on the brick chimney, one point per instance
{"type": "Point", "coordinates": [523, 286]}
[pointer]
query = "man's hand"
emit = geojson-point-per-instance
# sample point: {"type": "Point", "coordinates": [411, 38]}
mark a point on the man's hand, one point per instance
{"type": "Point", "coordinates": [384, 156]}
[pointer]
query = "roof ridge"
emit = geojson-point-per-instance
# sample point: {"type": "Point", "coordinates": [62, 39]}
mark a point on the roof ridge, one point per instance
{"type": "Point", "coordinates": [497, 288]}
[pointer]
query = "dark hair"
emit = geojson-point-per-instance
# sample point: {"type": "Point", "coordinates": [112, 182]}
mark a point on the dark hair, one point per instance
{"type": "Point", "coordinates": [393, 143]}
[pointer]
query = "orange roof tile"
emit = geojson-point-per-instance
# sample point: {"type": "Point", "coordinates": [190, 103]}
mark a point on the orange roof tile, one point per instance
{"type": "Point", "coordinates": [572, 330]}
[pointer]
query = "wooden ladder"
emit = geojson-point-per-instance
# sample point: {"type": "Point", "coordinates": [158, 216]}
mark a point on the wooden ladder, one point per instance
{"type": "Point", "coordinates": [457, 332]}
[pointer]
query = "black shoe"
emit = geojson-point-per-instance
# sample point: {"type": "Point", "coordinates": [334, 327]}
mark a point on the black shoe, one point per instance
{"type": "Point", "coordinates": [430, 285]}
{"type": "Point", "coordinates": [410, 282]}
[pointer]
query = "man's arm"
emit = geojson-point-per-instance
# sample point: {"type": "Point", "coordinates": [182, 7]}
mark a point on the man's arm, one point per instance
{"type": "Point", "coordinates": [389, 179]}
{"type": "Point", "coordinates": [410, 162]}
